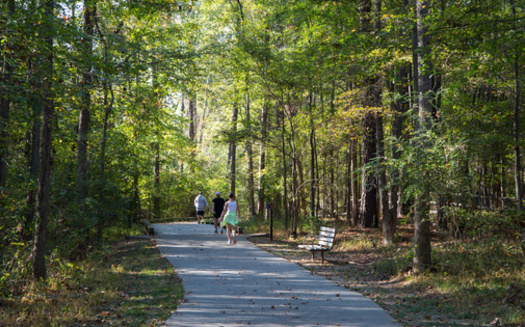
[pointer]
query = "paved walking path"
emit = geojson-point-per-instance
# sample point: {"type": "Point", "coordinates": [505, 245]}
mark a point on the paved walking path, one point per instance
{"type": "Point", "coordinates": [242, 285]}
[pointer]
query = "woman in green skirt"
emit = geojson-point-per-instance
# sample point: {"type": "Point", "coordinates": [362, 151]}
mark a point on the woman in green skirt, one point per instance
{"type": "Point", "coordinates": [230, 217]}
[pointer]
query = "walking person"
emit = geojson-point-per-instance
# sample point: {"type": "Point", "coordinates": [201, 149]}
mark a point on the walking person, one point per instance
{"type": "Point", "coordinates": [230, 218]}
{"type": "Point", "coordinates": [216, 207]}
{"type": "Point", "coordinates": [201, 204]}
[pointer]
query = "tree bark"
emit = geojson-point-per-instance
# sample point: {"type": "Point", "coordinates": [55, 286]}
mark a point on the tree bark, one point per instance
{"type": "Point", "coordinates": [313, 184]}
{"type": "Point", "coordinates": [285, 174]}
{"type": "Point", "coordinates": [249, 152]}
{"type": "Point", "coordinates": [368, 208]}
{"type": "Point", "coordinates": [422, 257]}
{"type": "Point", "coordinates": [5, 104]}
{"type": "Point", "coordinates": [233, 143]}
{"type": "Point", "coordinates": [389, 221]}
{"type": "Point", "coordinates": [192, 115]}
{"type": "Point", "coordinates": [517, 159]}
{"type": "Point", "coordinates": [33, 163]}
{"type": "Point", "coordinates": [368, 213]}
{"type": "Point", "coordinates": [262, 159]}
{"type": "Point", "coordinates": [331, 160]}
{"type": "Point", "coordinates": [108, 106]}
{"type": "Point", "coordinates": [85, 114]}
{"type": "Point", "coordinates": [399, 108]}
{"type": "Point", "coordinates": [156, 144]}
{"type": "Point", "coordinates": [39, 250]}
{"type": "Point", "coordinates": [295, 203]}
{"type": "Point", "coordinates": [353, 183]}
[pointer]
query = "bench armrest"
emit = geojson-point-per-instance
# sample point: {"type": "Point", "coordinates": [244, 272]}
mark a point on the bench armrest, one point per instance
{"type": "Point", "coordinates": [309, 240]}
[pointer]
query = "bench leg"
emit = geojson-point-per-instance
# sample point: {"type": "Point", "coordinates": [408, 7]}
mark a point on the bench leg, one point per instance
{"type": "Point", "coordinates": [322, 257]}
{"type": "Point", "coordinates": [312, 252]}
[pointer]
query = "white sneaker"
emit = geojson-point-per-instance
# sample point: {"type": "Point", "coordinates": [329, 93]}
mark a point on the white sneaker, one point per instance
{"type": "Point", "coordinates": [229, 242]}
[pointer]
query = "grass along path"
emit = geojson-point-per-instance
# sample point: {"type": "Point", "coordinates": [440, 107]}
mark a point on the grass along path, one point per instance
{"type": "Point", "coordinates": [128, 284]}
{"type": "Point", "coordinates": [473, 283]}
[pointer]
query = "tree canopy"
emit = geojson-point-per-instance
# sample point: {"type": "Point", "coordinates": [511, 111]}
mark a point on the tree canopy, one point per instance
{"type": "Point", "coordinates": [369, 112]}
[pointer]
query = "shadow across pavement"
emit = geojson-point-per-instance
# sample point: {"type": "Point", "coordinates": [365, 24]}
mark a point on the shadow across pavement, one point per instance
{"type": "Point", "coordinates": [242, 285]}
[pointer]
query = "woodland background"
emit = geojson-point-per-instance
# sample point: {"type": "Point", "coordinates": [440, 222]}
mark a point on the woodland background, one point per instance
{"type": "Point", "coordinates": [375, 113]}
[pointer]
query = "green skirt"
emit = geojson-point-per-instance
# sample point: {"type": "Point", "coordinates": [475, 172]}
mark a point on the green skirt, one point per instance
{"type": "Point", "coordinates": [230, 218]}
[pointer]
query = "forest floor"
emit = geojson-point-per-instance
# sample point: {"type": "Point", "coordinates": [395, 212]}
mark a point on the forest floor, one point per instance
{"type": "Point", "coordinates": [126, 284]}
{"type": "Point", "coordinates": [360, 262]}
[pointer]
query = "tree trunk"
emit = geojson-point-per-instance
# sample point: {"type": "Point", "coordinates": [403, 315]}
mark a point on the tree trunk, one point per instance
{"type": "Point", "coordinates": [33, 162]}
{"type": "Point", "coordinates": [517, 159]}
{"type": "Point", "coordinates": [422, 257]}
{"type": "Point", "coordinates": [156, 179]}
{"type": "Point", "coordinates": [39, 250]}
{"type": "Point", "coordinates": [32, 152]}
{"type": "Point", "coordinates": [285, 175]}
{"type": "Point", "coordinates": [353, 183]}
{"type": "Point", "coordinates": [331, 160]}
{"type": "Point", "coordinates": [192, 115]}
{"type": "Point", "coordinates": [262, 159]}
{"type": "Point", "coordinates": [84, 119]}
{"type": "Point", "coordinates": [295, 205]}
{"type": "Point", "coordinates": [389, 220]}
{"type": "Point", "coordinates": [102, 164]}
{"type": "Point", "coordinates": [313, 183]}
{"type": "Point", "coordinates": [204, 111]}
{"type": "Point", "coordinates": [249, 152]}
{"type": "Point", "coordinates": [5, 104]}
{"type": "Point", "coordinates": [233, 143]}
{"type": "Point", "coordinates": [156, 144]}
{"type": "Point", "coordinates": [399, 108]}
{"type": "Point", "coordinates": [368, 208]}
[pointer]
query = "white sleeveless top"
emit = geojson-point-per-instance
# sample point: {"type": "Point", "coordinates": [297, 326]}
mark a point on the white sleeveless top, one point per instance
{"type": "Point", "coordinates": [232, 206]}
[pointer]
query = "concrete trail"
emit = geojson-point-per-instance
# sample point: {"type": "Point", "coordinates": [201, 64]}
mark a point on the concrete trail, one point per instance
{"type": "Point", "coordinates": [242, 285]}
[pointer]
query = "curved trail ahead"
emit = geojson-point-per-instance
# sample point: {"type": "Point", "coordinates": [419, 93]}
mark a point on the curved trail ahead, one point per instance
{"type": "Point", "coordinates": [242, 285]}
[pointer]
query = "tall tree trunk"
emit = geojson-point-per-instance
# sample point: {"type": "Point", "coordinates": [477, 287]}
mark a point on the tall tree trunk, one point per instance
{"type": "Point", "coordinates": [422, 257]}
{"type": "Point", "coordinates": [399, 108]}
{"type": "Point", "coordinates": [353, 183]}
{"type": "Point", "coordinates": [331, 160]}
{"type": "Point", "coordinates": [295, 203]}
{"type": "Point", "coordinates": [5, 102]}
{"type": "Point", "coordinates": [233, 143]}
{"type": "Point", "coordinates": [517, 161]}
{"type": "Point", "coordinates": [39, 250]}
{"type": "Point", "coordinates": [137, 212]}
{"type": "Point", "coordinates": [249, 152]}
{"type": "Point", "coordinates": [285, 174]}
{"type": "Point", "coordinates": [262, 159]}
{"type": "Point", "coordinates": [156, 179]}
{"type": "Point", "coordinates": [204, 110]}
{"type": "Point", "coordinates": [84, 118]}
{"type": "Point", "coordinates": [313, 183]}
{"type": "Point", "coordinates": [368, 208]}
{"type": "Point", "coordinates": [389, 220]}
{"type": "Point", "coordinates": [33, 163]}
{"type": "Point", "coordinates": [192, 115]}
{"type": "Point", "coordinates": [156, 144]}
{"type": "Point", "coordinates": [108, 106]}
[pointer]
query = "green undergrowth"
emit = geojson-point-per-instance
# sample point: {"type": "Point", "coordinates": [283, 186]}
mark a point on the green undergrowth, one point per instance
{"type": "Point", "coordinates": [127, 284]}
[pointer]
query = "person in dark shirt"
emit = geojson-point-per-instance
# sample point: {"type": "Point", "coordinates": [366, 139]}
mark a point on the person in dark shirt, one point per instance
{"type": "Point", "coordinates": [217, 207]}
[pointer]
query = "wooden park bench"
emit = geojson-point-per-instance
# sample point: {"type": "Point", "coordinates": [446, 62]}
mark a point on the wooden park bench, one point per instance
{"type": "Point", "coordinates": [323, 242]}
